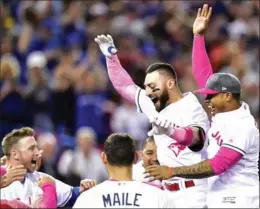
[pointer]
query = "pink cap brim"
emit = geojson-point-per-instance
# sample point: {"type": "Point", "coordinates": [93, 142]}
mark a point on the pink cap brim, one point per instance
{"type": "Point", "coordinates": [206, 91]}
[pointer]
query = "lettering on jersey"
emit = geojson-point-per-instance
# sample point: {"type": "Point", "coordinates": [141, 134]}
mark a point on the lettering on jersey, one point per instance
{"type": "Point", "coordinates": [217, 137]}
{"type": "Point", "coordinates": [176, 148]}
{"type": "Point", "coordinates": [231, 200]}
{"type": "Point", "coordinates": [121, 199]}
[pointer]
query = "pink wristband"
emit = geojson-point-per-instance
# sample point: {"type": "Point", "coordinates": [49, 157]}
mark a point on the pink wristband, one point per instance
{"type": "Point", "coordinates": [183, 136]}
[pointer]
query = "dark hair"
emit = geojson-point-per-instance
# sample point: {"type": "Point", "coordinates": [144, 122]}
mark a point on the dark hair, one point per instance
{"type": "Point", "coordinates": [148, 140]}
{"type": "Point", "coordinates": [162, 67]}
{"type": "Point", "coordinates": [236, 96]}
{"type": "Point", "coordinates": [120, 149]}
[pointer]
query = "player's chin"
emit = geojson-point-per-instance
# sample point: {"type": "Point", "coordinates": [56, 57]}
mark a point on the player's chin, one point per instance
{"type": "Point", "coordinates": [157, 106]}
{"type": "Point", "coordinates": [31, 168]}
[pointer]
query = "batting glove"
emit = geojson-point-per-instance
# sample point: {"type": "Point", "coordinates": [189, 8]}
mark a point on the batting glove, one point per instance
{"type": "Point", "coordinates": [106, 45]}
{"type": "Point", "coordinates": [161, 126]}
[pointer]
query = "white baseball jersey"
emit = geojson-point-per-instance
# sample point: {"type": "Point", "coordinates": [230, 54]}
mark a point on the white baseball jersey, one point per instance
{"type": "Point", "coordinates": [138, 174]}
{"type": "Point", "coordinates": [239, 185]}
{"type": "Point", "coordinates": [124, 194]}
{"type": "Point", "coordinates": [29, 191]}
{"type": "Point", "coordinates": [186, 112]}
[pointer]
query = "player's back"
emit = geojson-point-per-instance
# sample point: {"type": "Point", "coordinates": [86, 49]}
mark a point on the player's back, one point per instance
{"type": "Point", "coordinates": [123, 194]}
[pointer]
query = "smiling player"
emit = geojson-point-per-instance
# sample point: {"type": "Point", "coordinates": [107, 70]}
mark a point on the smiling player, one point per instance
{"type": "Point", "coordinates": [20, 148]}
{"type": "Point", "coordinates": [162, 98]}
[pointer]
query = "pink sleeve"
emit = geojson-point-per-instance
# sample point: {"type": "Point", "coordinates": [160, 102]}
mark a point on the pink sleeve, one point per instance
{"type": "Point", "coordinates": [224, 159]}
{"type": "Point", "coordinates": [49, 198]}
{"type": "Point", "coordinates": [201, 65]}
{"type": "Point", "coordinates": [2, 171]}
{"type": "Point", "coordinates": [120, 79]}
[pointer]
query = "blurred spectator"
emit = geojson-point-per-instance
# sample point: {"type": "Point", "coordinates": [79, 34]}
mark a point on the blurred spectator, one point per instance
{"type": "Point", "coordinates": [12, 105]}
{"type": "Point", "coordinates": [48, 143]}
{"type": "Point", "coordinates": [38, 92]}
{"type": "Point", "coordinates": [127, 120]}
{"type": "Point", "coordinates": [85, 161]}
{"type": "Point", "coordinates": [91, 100]}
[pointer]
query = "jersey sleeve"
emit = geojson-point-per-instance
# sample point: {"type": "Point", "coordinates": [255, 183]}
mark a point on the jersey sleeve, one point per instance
{"type": "Point", "coordinates": [196, 115]}
{"type": "Point", "coordinates": [239, 140]}
{"type": "Point", "coordinates": [144, 104]}
{"type": "Point", "coordinates": [64, 191]}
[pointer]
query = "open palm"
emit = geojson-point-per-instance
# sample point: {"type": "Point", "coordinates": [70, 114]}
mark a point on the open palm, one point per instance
{"type": "Point", "coordinates": [202, 20]}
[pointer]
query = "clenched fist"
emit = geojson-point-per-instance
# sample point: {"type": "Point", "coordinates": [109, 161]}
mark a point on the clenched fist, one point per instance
{"type": "Point", "coordinates": [106, 45]}
{"type": "Point", "coordinates": [45, 179]}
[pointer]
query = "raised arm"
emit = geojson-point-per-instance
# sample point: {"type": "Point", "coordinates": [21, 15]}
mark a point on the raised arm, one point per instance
{"type": "Point", "coordinates": [201, 66]}
{"type": "Point", "coordinates": [120, 79]}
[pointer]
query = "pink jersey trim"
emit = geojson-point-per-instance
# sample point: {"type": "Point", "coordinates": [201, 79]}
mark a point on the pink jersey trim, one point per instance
{"type": "Point", "coordinates": [120, 79]}
{"type": "Point", "coordinates": [201, 65]}
{"type": "Point", "coordinates": [224, 159]}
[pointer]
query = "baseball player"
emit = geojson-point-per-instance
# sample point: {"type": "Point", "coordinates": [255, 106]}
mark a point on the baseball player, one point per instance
{"type": "Point", "coordinates": [149, 157]}
{"type": "Point", "coordinates": [20, 147]}
{"type": "Point", "coordinates": [233, 140]}
{"type": "Point", "coordinates": [120, 191]}
{"type": "Point", "coordinates": [163, 99]}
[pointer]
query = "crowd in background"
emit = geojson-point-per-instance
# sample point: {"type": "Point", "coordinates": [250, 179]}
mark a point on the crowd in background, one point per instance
{"type": "Point", "coordinates": [53, 77]}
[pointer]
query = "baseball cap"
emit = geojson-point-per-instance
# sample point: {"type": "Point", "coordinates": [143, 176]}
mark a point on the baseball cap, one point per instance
{"type": "Point", "coordinates": [221, 83]}
{"type": "Point", "coordinates": [36, 59]}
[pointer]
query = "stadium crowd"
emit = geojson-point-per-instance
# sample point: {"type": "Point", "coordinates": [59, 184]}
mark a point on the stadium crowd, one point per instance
{"type": "Point", "coordinates": [53, 77]}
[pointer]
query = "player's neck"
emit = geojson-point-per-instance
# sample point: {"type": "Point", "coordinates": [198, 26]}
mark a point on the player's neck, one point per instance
{"type": "Point", "coordinates": [233, 106]}
{"type": "Point", "coordinates": [175, 96]}
{"type": "Point", "coordinates": [120, 173]}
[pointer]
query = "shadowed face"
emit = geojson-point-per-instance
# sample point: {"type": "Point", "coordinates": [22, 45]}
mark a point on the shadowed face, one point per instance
{"type": "Point", "coordinates": [156, 88]}
{"type": "Point", "coordinates": [217, 102]}
{"type": "Point", "coordinates": [149, 154]}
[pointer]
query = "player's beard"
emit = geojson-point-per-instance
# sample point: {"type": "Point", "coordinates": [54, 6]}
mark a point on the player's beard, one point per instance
{"type": "Point", "coordinates": [164, 98]}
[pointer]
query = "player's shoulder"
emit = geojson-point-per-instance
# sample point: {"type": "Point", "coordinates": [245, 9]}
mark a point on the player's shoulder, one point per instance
{"type": "Point", "coordinates": [149, 187]}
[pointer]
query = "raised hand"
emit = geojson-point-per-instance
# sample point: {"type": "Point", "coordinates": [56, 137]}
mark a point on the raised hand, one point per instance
{"type": "Point", "coordinates": [45, 179]}
{"type": "Point", "coordinates": [106, 45]}
{"type": "Point", "coordinates": [201, 22]}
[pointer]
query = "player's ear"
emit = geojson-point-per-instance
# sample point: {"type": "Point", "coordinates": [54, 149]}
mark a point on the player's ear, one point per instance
{"type": "Point", "coordinates": [104, 157]}
{"type": "Point", "coordinates": [15, 154]}
{"type": "Point", "coordinates": [228, 97]}
{"type": "Point", "coordinates": [170, 83]}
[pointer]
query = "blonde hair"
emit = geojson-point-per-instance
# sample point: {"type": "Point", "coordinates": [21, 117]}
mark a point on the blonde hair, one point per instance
{"type": "Point", "coordinates": [9, 63]}
{"type": "Point", "coordinates": [14, 137]}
